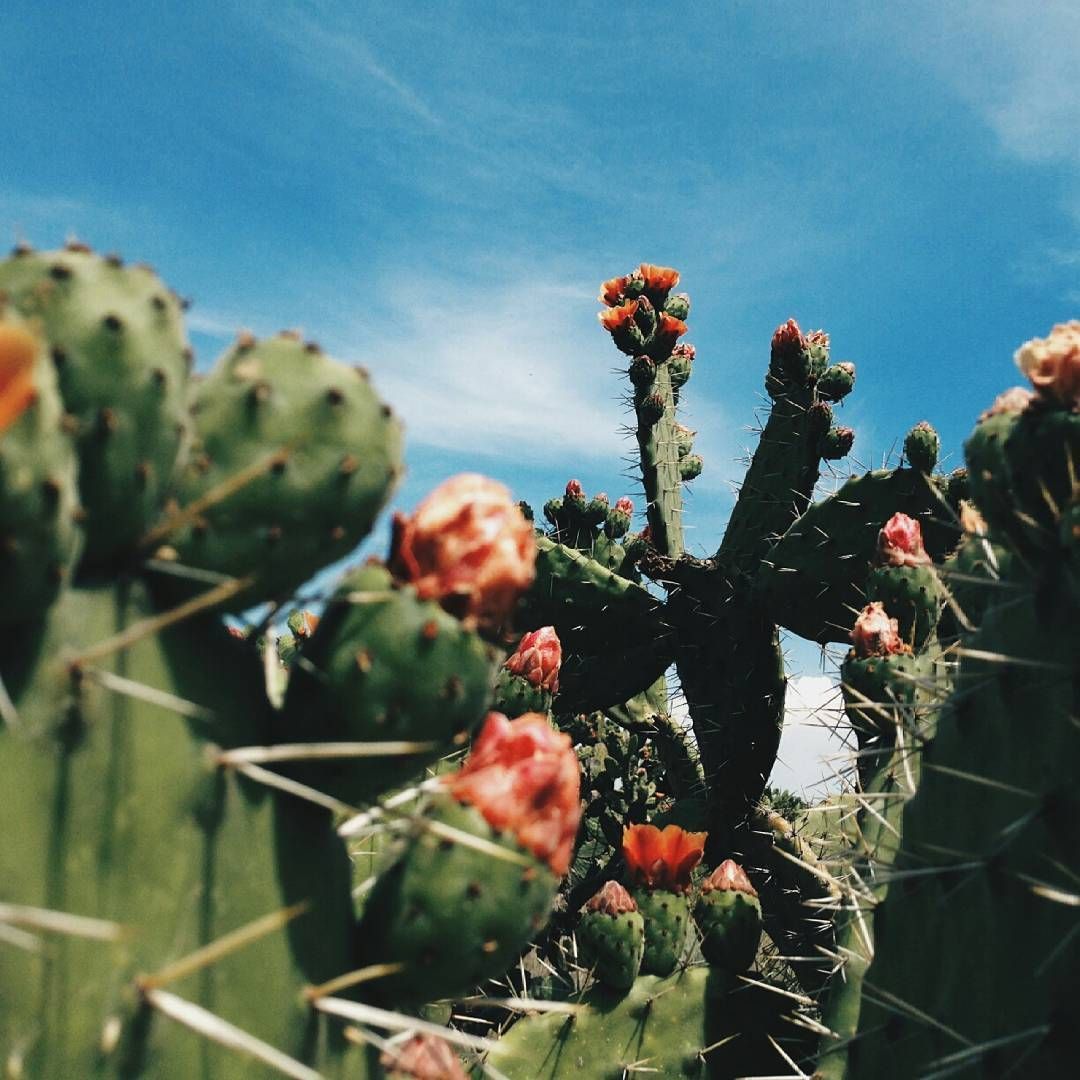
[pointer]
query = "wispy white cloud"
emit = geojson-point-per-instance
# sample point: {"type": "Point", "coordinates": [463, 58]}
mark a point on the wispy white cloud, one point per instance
{"type": "Point", "coordinates": [506, 371]}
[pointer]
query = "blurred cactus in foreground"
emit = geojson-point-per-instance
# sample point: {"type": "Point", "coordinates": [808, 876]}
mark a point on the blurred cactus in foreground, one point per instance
{"type": "Point", "coordinates": [443, 820]}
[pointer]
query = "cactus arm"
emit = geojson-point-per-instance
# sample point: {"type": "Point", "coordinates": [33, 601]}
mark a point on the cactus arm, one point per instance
{"type": "Point", "coordinates": [657, 445]}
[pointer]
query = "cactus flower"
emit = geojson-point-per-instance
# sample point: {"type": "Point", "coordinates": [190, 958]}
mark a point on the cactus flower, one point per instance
{"type": "Point", "coordinates": [524, 777]}
{"type": "Point", "coordinates": [659, 280]}
{"type": "Point", "coordinates": [423, 1057]}
{"type": "Point", "coordinates": [537, 658]}
{"type": "Point", "coordinates": [617, 318]}
{"type": "Point", "coordinates": [900, 543]}
{"type": "Point", "coordinates": [612, 899]}
{"type": "Point", "coordinates": [1015, 399]}
{"type": "Point", "coordinates": [787, 339]}
{"type": "Point", "coordinates": [875, 634]}
{"type": "Point", "coordinates": [662, 858]}
{"type": "Point", "coordinates": [685, 350]}
{"type": "Point", "coordinates": [468, 546]}
{"type": "Point", "coordinates": [612, 290]}
{"type": "Point", "coordinates": [668, 328]}
{"type": "Point", "coordinates": [729, 876]}
{"type": "Point", "coordinates": [18, 350]}
{"type": "Point", "coordinates": [1053, 363]}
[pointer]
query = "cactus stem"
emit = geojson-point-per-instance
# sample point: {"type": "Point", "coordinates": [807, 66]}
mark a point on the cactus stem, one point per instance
{"type": "Point", "coordinates": [223, 946]}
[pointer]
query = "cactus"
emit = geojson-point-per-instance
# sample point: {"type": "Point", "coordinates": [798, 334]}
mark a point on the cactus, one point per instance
{"type": "Point", "coordinates": [223, 844]}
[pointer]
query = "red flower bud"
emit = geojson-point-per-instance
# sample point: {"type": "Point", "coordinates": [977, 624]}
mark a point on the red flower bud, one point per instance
{"type": "Point", "coordinates": [612, 899]}
{"type": "Point", "coordinates": [875, 634]}
{"type": "Point", "coordinates": [684, 349]}
{"type": "Point", "coordinates": [1053, 363]}
{"type": "Point", "coordinates": [538, 656]}
{"type": "Point", "coordinates": [423, 1057]}
{"type": "Point", "coordinates": [523, 776]}
{"type": "Point", "coordinates": [625, 505]}
{"type": "Point", "coordinates": [729, 876]}
{"type": "Point", "coordinates": [18, 351]}
{"type": "Point", "coordinates": [818, 337]}
{"type": "Point", "coordinates": [468, 546]}
{"type": "Point", "coordinates": [662, 859]}
{"type": "Point", "coordinates": [787, 339]}
{"type": "Point", "coordinates": [900, 542]}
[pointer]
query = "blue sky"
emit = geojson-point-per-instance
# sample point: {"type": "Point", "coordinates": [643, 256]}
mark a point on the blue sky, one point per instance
{"type": "Point", "coordinates": [437, 189]}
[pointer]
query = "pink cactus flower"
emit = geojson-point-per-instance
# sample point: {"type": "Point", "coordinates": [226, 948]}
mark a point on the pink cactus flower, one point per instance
{"type": "Point", "coordinates": [468, 546]}
{"type": "Point", "coordinates": [875, 634]}
{"type": "Point", "coordinates": [625, 506]}
{"type": "Point", "coordinates": [524, 777]}
{"type": "Point", "coordinates": [612, 899]}
{"type": "Point", "coordinates": [787, 339]}
{"type": "Point", "coordinates": [900, 543]}
{"type": "Point", "coordinates": [423, 1057]}
{"type": "Point", "coordinates": [1015, 399]}
{"type": "Point", "coordinates": [685, 350]}
{"type": "Point", "coordinates": [818, 337]}
{"type": "Point", "coordinates": [537, 659]}
{"type": "Point", "coordinates": [729, 876]}
{"type": "Point", "coordinates": [1053, 363]}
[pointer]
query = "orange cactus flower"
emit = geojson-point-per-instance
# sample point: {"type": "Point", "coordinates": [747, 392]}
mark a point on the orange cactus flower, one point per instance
{"type": "Point", "coordinates": [662, 858]}
{"type": "Point", "coordinates": [668, 326]}
{"type": "Point", "coordinates": [658, 279]}
{"type": "Point", "coordinates": [617, 317]}
{"type": "Point", "coordinates": [611, 290]}
{"type": "Point", "coordinates": [18, 350]}
{"type": "Point", "coordinates": [524, 777]}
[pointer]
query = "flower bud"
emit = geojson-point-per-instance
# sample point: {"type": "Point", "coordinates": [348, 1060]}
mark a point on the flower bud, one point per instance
{"type": "Point", "coordinates": [678, 304]}
{"type": "Point", "coordinates": [538, 658]}
{"type": "Point", "coordinates": [619, 518]}
{"type": "Point", "coordinates": [921, 446]}
{"type": "Point", "coordinates": [727, 877]}
{"type": "Point", "coordinates": [900, 543]}
{"type": "Point", "coordinates": [836, 443]}
{"type": "Point", "coordinates": [1015, 399]}
{"type": "Point", "coordinates": [467, 546]}
{"type": "Point", "coordinates": [612, 899]}
{"type": "Point", "coordinates": [680, 365]}
{"type": "Point", "coordinates": [875, 634]}
{"type": "Point", "coordinates": [423, 1057]}
{"type": "Point", "coordinates": [837, 381]}
{"type": "Point", "coordinates": [642, 371]}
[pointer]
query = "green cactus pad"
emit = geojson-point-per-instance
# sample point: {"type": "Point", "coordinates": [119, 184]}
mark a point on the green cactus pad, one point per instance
{"type": "Point", "coordinates": [300, 452]}
{"type": "Point", "coordinates": [974, 578]}
{"type": "Point", "coordinates": [695, 1023]}
{"type": "Point", "coordinates": [730, 925]}
{"type": "Point", "coordinates": [452, 914]}
{"type": "Point", "coordinates": [814, 577]}
{"type": "Point", "coordinates": [990, 864]}
{"type": "Point", "coordinates": [114, 810]}
{"type": "Point", "coordinates": [612, 946]}
{"type": "Point", "coordinates": [667, 920]}
{"type": "Point", "coordinates": [988, 473]}
{"type": "Point", "coordinates": [912, 595]}
{"type": "Point", "coordinates": [117, 339]}
{"type": "Point", "coordinates": [39, 537]}
{"type": "Point", "coordinates": [384, 666]}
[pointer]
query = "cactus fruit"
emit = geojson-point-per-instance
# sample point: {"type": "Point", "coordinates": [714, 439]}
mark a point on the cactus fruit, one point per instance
{"type": "Point", "coordinates": [728, 914]}
{"type": "Point", "coordinates": [611, 936]}
{"type": "Point", "coordinates": [116, 337]}
{"type": "Point", "coordinates": [921, 447]}
{"type": "Point", "coordinates": [384, 665]}
{"type": "Point", "coordinates": [479, 867]}
{"type": "Point", "coordinates": [292, 458]}
{"type": "Point", "coordinates": [659, 862]}
{"type": "Point", "coordinates": [905, 580]}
